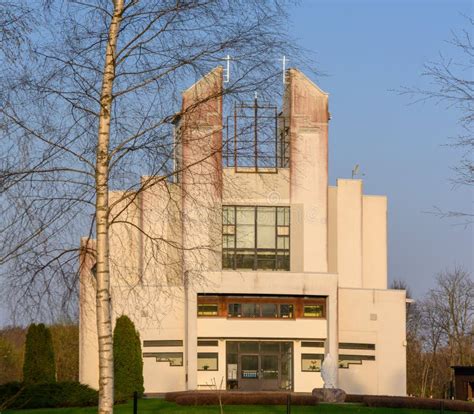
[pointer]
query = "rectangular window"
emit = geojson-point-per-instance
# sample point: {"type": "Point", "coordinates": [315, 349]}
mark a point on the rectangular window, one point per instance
{"type": "Point", "coordinates": [313, 311]}
{"type": "Point", "coordinates": [311, 362]}
{"type": "Point", "coordinates": [250, 310]}
{"type": "Point", "coordinates": [205, 342]}
{"type": "Point", "coordinates": [168, 342]}
{"type": "Point", "coordinates": [260, 310]}
{"type": "Point", "coordinates": [175, 359]}
{"type": "Point", "coordinates": [269, 310]}
{"type": "Point", "coordinates": [208, 361]}
{"type": "Point", "coordinates": [235, 310]}
{"type": "Point", "coordinates": [286, 311]}
{"type": "Point", "coordinates": [256, 238]}
{"type": "Point", "coordinates": [311, 344]}
{"type": "Point", "coordinates": [346, 360]}
{"type": "Point", "coordinates": [268, 307]}
{"type": "Point", "coordinates": [208, 309]}
{"type": "Point", "coordinates": [350, 345]}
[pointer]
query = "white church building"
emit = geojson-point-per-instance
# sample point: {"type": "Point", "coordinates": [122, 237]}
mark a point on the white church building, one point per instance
{"type": "Point", "coordinates": [248, 269]}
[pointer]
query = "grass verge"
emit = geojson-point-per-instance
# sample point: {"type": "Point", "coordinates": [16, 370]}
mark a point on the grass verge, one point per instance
{"type": "Point", "coordinates": [156, 406]}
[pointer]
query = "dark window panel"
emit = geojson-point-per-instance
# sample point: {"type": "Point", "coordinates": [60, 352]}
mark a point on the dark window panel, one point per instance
{"type": "Point", "coordinates": [167, 342]}
{"type": "Point", "coordinates": [235, 310]}
{"type": "Point", "coordinates": [269, 310]}
{"type": "Point", "coordinates": [286, 311]}
{"type": "Point", "coordinates": [204, 342]}
{"type": "Point", "coordinates": [351, 345]}
{"type": "Point", "coordinates": [250, 310]}
{"type": "Point", "coordinates": [312, 344]}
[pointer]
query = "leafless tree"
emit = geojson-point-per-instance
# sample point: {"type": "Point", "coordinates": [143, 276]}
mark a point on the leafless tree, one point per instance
{"type": "Point", "coordinates": [440, 330]}
{"type": "Point", "coordinates": [452, 84]}
{"type": "Point", "coordinates": [16, 21]}
{"type": "Point", "coordinates": [452, 301]}
{"type": "Point", "coordinates": [90, 110]}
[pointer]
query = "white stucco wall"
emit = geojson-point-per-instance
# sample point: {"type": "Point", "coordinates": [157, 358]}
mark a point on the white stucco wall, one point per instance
{"type": "Point", "coordinates": [374, 316]}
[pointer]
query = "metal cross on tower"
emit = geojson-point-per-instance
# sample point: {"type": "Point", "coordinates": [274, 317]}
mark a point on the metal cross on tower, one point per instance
{"type": "Point", "coordinates": [284, 61]}
{"type": "Point", "coordinates": [227, 70]}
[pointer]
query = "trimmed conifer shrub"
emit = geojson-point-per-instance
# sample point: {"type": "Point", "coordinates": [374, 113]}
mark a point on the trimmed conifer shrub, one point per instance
{"type": "Point", "coordinates": [128, 363]}
{"type": "Point", "coordinates": [39, 366]}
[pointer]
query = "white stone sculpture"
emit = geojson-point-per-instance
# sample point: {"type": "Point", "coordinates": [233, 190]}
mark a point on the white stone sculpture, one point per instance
{"type": "Point", "coordinates": [329, 372]}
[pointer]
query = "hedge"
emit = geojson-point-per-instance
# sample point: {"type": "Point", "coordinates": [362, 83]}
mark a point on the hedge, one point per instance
{"type": "Point", "coordinates": [55, 395]}
{"type": "Point", "coordinates": [355, 398]}
{"type": "Point", "coordinates": [417, 403]}
{"type": "Point", "coordinates": [190, 398]}
{"type": "Point", "coordinates": [239, 398]}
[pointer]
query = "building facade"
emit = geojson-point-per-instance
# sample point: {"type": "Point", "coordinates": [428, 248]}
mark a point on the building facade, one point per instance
{"type": "Point", "coordinates": [248, 269]}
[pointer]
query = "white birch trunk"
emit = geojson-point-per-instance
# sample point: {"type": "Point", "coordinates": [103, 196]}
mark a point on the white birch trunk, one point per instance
{"type": "Point", "coordinates": [103, 305]}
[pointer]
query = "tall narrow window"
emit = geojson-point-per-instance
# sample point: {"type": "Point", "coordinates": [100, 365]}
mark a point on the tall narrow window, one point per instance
{"type": "Point", "coordinates": [256, 238]}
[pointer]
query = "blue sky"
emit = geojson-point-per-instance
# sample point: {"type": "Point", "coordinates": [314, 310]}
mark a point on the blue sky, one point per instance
{"type": "Point", "coordinates": [366, 49]}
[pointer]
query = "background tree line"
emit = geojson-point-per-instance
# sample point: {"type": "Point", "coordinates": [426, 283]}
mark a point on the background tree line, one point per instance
{"type": "Point", "coordinates": [440, 333]}
{"type": "Point", "coordinates": [65, 339]}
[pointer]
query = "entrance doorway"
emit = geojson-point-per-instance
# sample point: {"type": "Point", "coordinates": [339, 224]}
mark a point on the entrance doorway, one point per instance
{"type": "Point", "coordinates": [259, 365]}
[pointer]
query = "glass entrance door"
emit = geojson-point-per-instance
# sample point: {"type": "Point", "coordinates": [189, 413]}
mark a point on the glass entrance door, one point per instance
{"type": "Point", "coordinates": [249, 378]}
{"type": "Point", "coordinates": [259, 366]}
{"type": "Point", "coordinates": [270, 372]}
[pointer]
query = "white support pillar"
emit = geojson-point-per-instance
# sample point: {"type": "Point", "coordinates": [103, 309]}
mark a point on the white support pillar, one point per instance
{"type": "Point", "coordinates": [332, 345]}
{"type": "Point", "coordinates": [191, 340]}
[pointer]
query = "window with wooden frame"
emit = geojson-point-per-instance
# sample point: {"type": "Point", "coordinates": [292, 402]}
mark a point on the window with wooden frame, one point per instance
{"type": "Point", "coordinates": [268, 310]}
{"type": "Point", "coordinates": [263, 307]}
{"type": "Point", "coordinates": [313, 308]}
{"type": "Point", "coordinates": [208, 305]}
{"type": "Point", "coordinates": [256, 237]}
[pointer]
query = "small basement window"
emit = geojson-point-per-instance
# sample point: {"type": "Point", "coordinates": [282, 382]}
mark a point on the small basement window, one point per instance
{"type": "Point", "coordinates": [208, 361]}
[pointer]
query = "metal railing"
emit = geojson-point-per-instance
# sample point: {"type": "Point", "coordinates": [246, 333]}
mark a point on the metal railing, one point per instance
{"type": "Point", "coordinates": [256, 138]}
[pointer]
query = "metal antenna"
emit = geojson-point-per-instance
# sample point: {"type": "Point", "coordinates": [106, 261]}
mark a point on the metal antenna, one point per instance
{"type": "Point", "coordinates": [227, 72]}
{"type": "Point", "coordinates": [356, 171]}
{"type": "Point", "coordinates": [284, 60]}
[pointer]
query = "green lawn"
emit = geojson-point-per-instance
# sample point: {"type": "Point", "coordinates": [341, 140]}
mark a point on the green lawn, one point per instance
{"type": "Point", "coordinates": [163, 407]}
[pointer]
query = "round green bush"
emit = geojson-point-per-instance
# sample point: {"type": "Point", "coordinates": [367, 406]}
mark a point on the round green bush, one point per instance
{"type": "Point", "coordinates": [60, 394]}
{"type": "Point", "coordinates": [128, 362]}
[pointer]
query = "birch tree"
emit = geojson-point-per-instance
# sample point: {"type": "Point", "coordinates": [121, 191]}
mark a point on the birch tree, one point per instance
{"type": "Point", "coordinates": [89, 109]}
